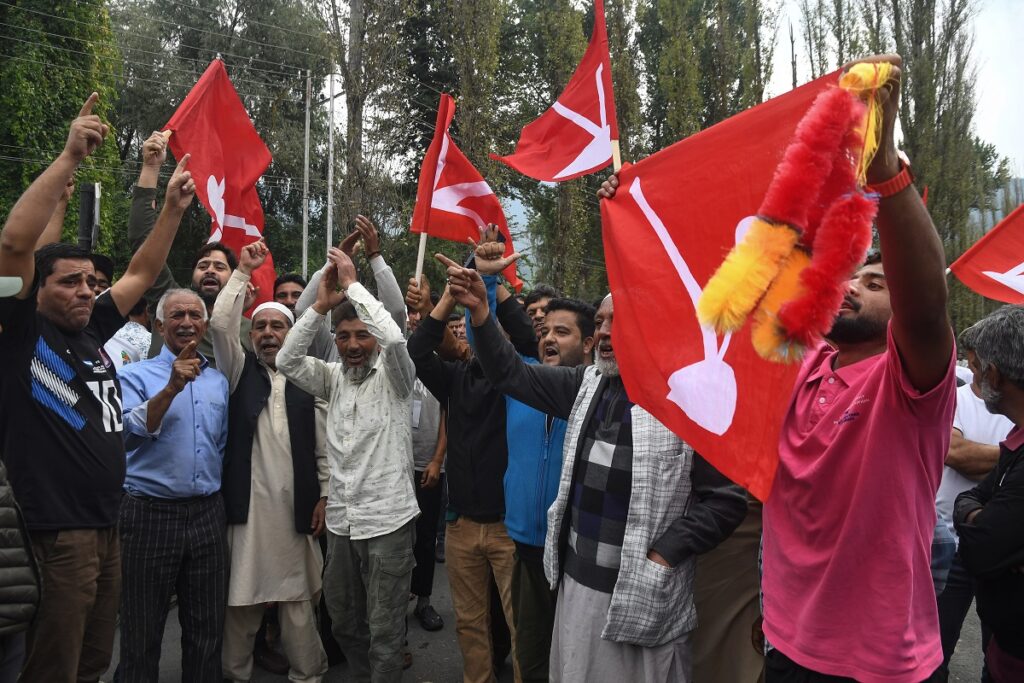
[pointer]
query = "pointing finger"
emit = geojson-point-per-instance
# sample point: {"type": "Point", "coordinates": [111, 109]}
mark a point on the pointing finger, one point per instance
{"type": "Point", "coordinates": [189, 352]}
{"type": "Point", "coordinates": [89, 103]}
{"type": "Point", "coordinates": [183, 164]}
{"type": "Point", "coordinates": [446, 261]}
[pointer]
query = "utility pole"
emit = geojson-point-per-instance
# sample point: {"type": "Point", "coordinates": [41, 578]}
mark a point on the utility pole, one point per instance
{"type": "Point", "coordinates": [305, 185]}
{"type": "Point", "coordinates": [330, 172]}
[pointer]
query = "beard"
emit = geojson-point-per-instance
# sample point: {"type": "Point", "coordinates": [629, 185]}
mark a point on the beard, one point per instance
{"type": "Point", "coordinates": [358, 373]}
{"type": "Point", "coordinates": [856, 329]}
{"type": "Point", "coordinates": [990, 396]}
{"type": "Point", "coordinates": [608, 367]}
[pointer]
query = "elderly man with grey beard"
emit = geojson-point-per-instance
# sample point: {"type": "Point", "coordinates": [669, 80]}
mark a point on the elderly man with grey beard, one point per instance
{"type": "Point", "coordinates": [274, 485]}
{"type": "Point", "coordinates": [371, 502]}
{"type": "Point", "coordinates": [635, 506]}
{"type": "Point", "coordinates": [989, 517]}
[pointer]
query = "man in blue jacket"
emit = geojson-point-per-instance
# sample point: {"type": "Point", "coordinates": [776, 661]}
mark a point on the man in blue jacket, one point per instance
{"type": "Point", "coordinates": [535, 442]}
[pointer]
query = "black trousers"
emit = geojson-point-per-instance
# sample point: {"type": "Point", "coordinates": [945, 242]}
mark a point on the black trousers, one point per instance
{"type": "Point", "coordinates": [170, 546]}
{"type": "Point", "coordinates": [533, 606]}
{"type": "Point", "coordinates": [954, 603]}
{"type": "Point", "coordinates": [426, 536]}
{"type": "Point", "coordinates": [778, 668]}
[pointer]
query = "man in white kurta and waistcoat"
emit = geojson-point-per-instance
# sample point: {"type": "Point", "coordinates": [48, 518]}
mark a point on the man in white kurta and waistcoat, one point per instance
{"type": "Point", "coordinates": [274, 485]}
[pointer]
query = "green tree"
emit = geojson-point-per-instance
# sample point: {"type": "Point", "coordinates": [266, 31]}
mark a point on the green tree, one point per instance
{"type": "Point", "coordinates": [52, 56]}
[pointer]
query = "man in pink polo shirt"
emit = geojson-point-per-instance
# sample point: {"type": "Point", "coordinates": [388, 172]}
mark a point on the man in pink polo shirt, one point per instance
{"type": "Point", "coordinates": [848, 528]}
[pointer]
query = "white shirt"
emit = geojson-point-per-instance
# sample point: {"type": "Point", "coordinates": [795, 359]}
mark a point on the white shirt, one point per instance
{"type": "Point", "coordinates": [130, 344]}
{"type": "Point", "coordinates": [974, 421]}
{"type": "Point", "coordinates": [369, 444]}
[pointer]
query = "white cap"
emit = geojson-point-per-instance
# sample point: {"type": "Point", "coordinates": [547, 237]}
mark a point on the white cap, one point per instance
{"type": "Point", "coordinates": [9, 286]}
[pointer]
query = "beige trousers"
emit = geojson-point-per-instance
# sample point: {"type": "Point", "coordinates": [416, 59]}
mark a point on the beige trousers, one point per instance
{"type": "Point", "coordinates": [474, 552]}
{"type": "Point", "coordinates": [299, 637]}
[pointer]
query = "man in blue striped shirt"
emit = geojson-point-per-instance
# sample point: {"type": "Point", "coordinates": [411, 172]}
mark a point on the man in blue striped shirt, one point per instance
{"type": "Point", "coordinates": [172, 522]}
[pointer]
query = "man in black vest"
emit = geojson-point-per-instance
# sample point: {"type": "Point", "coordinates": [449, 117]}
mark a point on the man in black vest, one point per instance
{"type": "Point", "coordinates": [274, 485]}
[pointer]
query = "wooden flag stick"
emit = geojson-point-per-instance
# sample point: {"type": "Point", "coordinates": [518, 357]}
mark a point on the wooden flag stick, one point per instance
{"type": "Point", "coordinates": [420, 255]}
{"type": "Point", "coordinates": [616, 156]}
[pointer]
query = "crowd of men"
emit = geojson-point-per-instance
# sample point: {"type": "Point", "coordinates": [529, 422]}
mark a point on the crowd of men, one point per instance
{"type": "Point", "coordinates": [278, 472]}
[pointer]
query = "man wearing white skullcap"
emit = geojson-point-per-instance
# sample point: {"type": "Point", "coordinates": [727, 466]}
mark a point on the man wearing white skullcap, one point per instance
{"type": "Point", "coordinates": [274, 485]}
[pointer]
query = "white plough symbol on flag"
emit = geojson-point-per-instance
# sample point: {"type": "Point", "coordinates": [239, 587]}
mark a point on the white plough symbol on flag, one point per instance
{"type": "Point", "coordinates": [1013, 278]}
{"type": "Point", "coordinates": [688, 386]}
{"type": "Point", "coordinates": [215, 193]}
{"type": "Point", "coordinates": [448, 198]}
{"type": "Point", "coordinates": [599, 149]}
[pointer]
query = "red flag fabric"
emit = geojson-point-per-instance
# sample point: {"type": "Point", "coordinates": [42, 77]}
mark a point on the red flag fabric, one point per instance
{"type": "Point", "coordinates": [228, 157]}
{"type": "Point", "coordinates": [453, 200]}
{"type": "Point", "coordinates": [674, 218]}
{"type": "Point", "coordinates": [994, 265]}
{"type": "Point", "coordinates": [573, 137]}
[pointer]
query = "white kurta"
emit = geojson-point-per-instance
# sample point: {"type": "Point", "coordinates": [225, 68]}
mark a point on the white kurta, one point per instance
{"type": "Point", "coordinates": [270, 560]}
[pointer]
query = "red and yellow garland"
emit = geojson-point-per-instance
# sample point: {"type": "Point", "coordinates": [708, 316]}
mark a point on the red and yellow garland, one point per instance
{"type": "Point", "coordinates": [812, 229]}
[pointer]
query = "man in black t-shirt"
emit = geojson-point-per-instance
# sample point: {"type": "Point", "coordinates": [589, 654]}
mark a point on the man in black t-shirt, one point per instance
{"type": "Point", "coordinates": [60, 428]}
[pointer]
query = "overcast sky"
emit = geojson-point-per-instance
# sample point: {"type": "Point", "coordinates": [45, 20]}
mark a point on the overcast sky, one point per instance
{"type": "Point", "coordinates": [998, 55]}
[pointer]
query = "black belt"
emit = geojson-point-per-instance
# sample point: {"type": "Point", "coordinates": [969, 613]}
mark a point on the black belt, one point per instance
{"type": "Point", "coordinates": [170, 501]}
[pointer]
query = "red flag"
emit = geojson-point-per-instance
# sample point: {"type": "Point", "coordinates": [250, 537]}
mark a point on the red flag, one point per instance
{"type": "Point", "coordinates": [573, 137]}
{"type": "Point", "coordinates": [453, 200]}
{"type": "Point", "coordinates": [674, 218]}
{"type": "Point", "coordinates": [994, 265]}
{"type": "Point", "coordinates": [228, 157]}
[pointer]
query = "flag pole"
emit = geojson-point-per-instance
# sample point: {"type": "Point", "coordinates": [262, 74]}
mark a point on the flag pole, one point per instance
{"type": "Point", "coordinates": [330, 171]}
{"type": "Point", "coordinates": [420, 255]}
{"type": "Point", "coordinates": [616, 156]}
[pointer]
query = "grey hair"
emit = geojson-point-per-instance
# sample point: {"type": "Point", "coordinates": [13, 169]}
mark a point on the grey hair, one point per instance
{"type": "Point", "coordinates": [176, 292]}
{"type": "Point", "coordinates": [997, 340]}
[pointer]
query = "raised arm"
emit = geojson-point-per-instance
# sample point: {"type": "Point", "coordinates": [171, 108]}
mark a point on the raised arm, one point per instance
{"type": "Point", "coordinates": [142, 214]}
{"type": "Point", "coordinates": [310, 374]}
{"type": "Point", "coordinates": [397, 364]}
{"type": "Point", "coordinates": [55, 226]}
{"type": "Point", "coordinates": [31, 213]}
{"type": "Point", "coordinates": [151, 257]}
{"type": "Point", "coordinates": [549, 389]}
{"type": "Point", "coordinates": [912, 257]}
{"type": "Point", "coordinates": [226, 320]}
{"type": "Point", "coordinates": [388, 291]}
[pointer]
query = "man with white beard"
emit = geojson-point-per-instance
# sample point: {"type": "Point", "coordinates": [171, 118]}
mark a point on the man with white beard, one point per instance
{"type": "Point", "coordinates": [371, 502]}
{"type": "Point", "coordinates": [635, 506]}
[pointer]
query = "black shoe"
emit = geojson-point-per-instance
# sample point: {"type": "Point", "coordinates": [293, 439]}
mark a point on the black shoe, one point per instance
{"type": "Point", "coordinates": [439, 553]}
{"type": "Point", "coordinates": [430, 620]}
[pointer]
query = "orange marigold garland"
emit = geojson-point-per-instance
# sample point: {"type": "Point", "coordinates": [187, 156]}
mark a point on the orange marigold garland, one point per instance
{"type": "Point", "coordinates": [811, 230]}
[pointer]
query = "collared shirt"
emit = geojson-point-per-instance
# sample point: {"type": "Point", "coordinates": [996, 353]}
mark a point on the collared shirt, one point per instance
{"type": "Point", "coordinates": [184, 457]}
{"type": "Point", "coordinates": [369, 445]}
{"type": "Point", "coordinates": [849, 525]}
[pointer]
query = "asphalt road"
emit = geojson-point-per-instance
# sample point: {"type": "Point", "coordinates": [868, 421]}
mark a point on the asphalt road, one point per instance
{"type": "Point", "coordinates": [436, 657]}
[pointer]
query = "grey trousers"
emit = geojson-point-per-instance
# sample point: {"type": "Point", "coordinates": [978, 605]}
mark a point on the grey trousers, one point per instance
{"type": "Point", "coordinates": [366, 585]}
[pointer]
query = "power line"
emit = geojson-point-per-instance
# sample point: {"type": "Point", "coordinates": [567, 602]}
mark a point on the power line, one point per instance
{"type": "Point", "coordinates": [219, 35]}
{"type": "Point", "coordinates": [212, 33]}
{"type": "Point", "coordinates": [142, 64]}
{"type": "Point", "coordinates": [136, 78]}
{"type": "Point", "coordinates": [248, 21]}
{"type": "Point", "coordinates": [118, 46]}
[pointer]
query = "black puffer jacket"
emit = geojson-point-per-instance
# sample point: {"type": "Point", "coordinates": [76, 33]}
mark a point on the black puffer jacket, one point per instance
{"type": "Point", "coordinates": [19, 576]}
